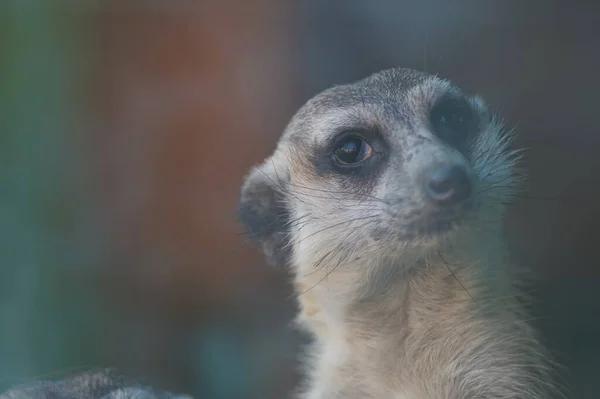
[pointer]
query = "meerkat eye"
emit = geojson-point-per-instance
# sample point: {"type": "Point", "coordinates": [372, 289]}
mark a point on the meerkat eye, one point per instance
{"type": "Point", "coordinates": [452, 120]}
{"type": "Point", "coordinates": [352, 150]}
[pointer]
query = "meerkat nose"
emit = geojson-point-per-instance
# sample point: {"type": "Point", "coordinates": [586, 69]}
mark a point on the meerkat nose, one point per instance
{"type": "Point", "coordinates": [447, 185]}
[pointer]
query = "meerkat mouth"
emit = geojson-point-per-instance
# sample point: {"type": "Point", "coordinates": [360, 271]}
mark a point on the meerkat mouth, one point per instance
{"type": "Point", "coordinates": [439, 227]}
{"type": "Point", "coordinates": [442, 222]}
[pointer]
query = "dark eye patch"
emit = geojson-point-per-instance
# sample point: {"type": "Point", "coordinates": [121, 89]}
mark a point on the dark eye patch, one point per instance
{"type": "Point", "coordinates": [353, 156]}
{"type": "Point", "coordinates": [453, 120]}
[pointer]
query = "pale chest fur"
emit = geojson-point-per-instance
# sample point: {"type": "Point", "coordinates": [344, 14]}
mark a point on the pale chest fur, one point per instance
{"type": "Point", "coordinates": [425, 337]}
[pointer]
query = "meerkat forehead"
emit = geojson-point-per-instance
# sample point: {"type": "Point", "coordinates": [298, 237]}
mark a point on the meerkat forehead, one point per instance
{"type": "Point", "coordinates": [400, 158]}
{"type": "Point", "coordinates": [385, 97]}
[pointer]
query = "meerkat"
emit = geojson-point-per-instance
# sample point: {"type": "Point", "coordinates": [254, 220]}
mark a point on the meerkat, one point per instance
{"type": "Point", "coordinates": [385, 199]}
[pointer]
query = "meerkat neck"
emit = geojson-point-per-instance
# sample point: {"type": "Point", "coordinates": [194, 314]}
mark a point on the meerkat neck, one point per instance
{"type": "Point", "coordinates": [443, 329]}
{"type": "Point", "coordinates": [350, 300]}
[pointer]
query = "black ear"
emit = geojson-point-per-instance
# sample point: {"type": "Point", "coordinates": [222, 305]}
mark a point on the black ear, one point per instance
{"type": "Point", "coordinates": [263, 213]}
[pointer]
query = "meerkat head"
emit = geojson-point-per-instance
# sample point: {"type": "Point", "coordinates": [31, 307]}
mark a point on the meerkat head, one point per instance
{"type": "Point", "coordinates": [400, 162]}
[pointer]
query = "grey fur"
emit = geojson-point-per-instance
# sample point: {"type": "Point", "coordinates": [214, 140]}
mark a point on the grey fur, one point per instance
{"type": "Point", "coordinates": [96, 384]}
{"type": "Point", "coordinates": [400, 305]}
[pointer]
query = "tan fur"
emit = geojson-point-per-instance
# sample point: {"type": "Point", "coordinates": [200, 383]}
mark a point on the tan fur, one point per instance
{"type": "Point", "coordinates": [395, 315]}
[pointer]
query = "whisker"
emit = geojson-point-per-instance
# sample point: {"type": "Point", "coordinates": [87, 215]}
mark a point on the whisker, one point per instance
{"type": "Point", "coordinates": [531, 197]}
{"type": "Point", "coordinates": [354, 194]}
{"type": "Point", "coordinates": [338, 224]}
{"type": "Point", "coordinates": [340, 261]}
{"type": "Point", "coordinates": [454, 275]}
{"type": "Point", "coordinates": [282, 186]}
{"type": "Point", "coordinates": [277, 185]}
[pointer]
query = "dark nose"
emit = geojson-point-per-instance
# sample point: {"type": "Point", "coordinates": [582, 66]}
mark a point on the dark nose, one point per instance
{"type": "Point", "coordinates": [447, 184]}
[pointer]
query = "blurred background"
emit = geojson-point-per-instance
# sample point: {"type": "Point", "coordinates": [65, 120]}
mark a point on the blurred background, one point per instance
{"type": "Point", "coordinates": [126, 127]}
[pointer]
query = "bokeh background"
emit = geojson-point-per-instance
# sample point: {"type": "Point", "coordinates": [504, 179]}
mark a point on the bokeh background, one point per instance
{"type": "Point", "coordinates": [126, 127]}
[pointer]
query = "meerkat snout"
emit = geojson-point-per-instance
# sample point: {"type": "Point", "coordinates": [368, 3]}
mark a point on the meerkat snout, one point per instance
{"type": "Point", "coordinates": [447, 185]}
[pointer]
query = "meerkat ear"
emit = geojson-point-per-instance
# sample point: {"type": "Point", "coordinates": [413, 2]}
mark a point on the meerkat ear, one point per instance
{"type": "Point", "coordinates": [263, 213]}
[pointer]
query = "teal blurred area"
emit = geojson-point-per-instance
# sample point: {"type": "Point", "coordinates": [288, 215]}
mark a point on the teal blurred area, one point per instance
{"type": "Point", "coordinates": [39, 202]}
{"type": "Point", "coordinates": [126, 128]}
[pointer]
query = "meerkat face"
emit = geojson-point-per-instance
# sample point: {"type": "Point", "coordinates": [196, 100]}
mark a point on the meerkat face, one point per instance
{"type": "Point", "coordinates": [400, 161]}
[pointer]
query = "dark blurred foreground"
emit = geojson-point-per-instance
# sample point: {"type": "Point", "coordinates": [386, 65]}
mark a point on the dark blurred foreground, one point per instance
{"type": "Point", "coordinates": [126, 129]}
{"type": "Point", "coordinates": [91, 384]}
